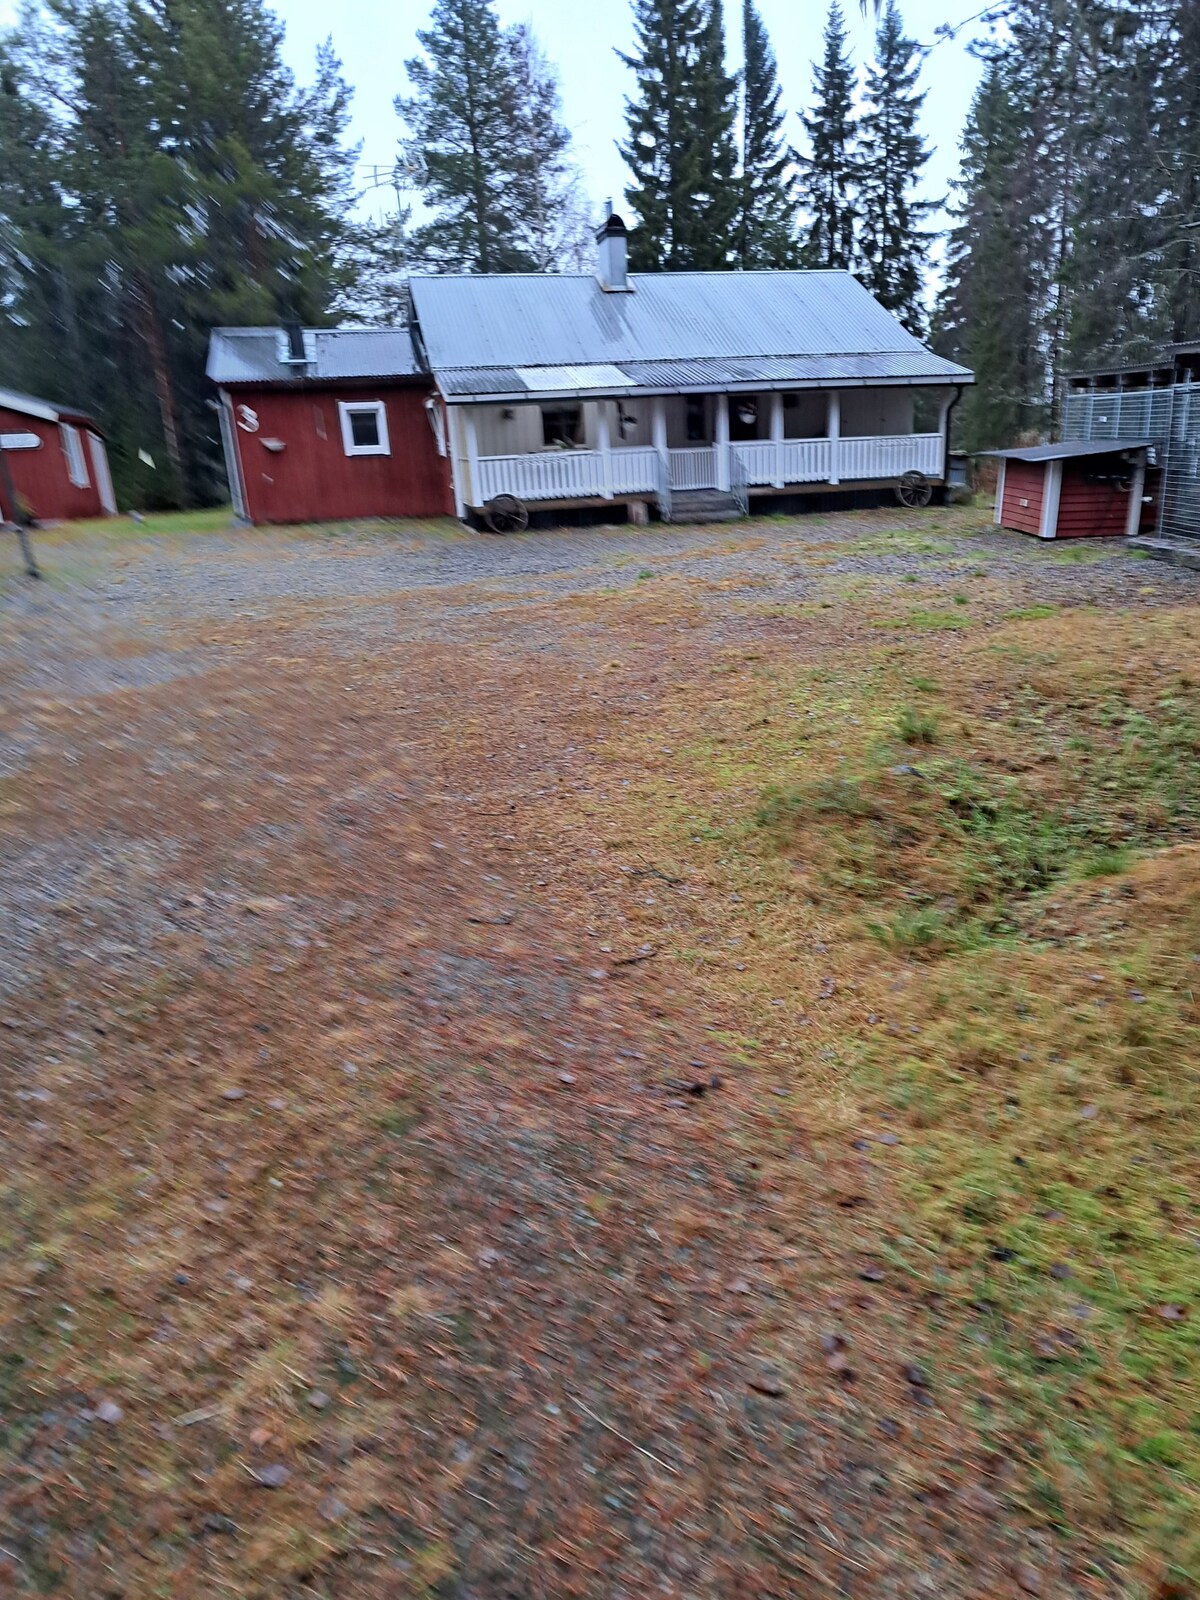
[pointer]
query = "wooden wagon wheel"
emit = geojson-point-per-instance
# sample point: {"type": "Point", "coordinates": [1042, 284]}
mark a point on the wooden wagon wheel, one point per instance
{"type": "Point", "coordinates": [914, 490]}
{"type": "Point", "coordinates": [506, 514]}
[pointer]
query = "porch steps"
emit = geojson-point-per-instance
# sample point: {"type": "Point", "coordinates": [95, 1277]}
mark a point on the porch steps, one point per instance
{"type": "Point", "coordinates": [703, 505]}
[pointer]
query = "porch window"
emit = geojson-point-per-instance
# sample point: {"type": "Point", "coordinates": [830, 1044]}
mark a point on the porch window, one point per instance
{"type": "Point", "coordinates": [697, 422]}
{"type": "Point", "coordinates": [561, 424]}
{"type": "Point", "coordinates": [364, 427]}
{"type": "Point", "coordinates": [73, 450]}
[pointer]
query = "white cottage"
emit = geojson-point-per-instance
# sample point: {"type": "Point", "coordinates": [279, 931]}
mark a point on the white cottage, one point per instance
{"type": "Point", "coordinates": [695, 392]}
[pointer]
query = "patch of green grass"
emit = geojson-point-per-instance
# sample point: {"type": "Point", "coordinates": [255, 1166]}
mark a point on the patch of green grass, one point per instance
{"type": "Point", "coordinates": [1031, 614]}
{"type": "Point", "coordinates": [917, 727]}
{"type": "Point", "coordinates": [1049, 1159]}
{"type": "Point", "coordinates": [928, 621]}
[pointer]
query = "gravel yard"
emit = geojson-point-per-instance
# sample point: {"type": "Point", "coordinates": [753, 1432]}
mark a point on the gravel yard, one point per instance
{"type": "Point", "coordinates": [427, 1172]}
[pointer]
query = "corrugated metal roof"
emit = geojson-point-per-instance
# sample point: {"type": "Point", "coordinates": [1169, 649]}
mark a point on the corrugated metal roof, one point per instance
{"type": "Point", "coordinates": [736, 327]}
{"type": "Point", "coordinates": [1070, 448]}
{"type": "Point", "coordinates": [252, 355]}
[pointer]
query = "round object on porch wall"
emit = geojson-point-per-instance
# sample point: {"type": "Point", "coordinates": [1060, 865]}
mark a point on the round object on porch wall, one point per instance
{"type": "Point", "coordinates": [747, 411]}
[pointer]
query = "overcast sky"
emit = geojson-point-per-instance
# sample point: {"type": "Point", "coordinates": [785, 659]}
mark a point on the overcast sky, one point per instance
{"type": "Point", "coordinates": [375, 37]}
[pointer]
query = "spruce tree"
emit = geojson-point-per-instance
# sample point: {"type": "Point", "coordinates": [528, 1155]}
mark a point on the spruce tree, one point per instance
{"type": "Point", "coordinates": [892, 246]}
{"type": "Point", "coordinates": [765, 235]}
{"type": "Point", "coordinates": [679, 146]}
{"type": "Point", "coordinates": [830, 170]}
{"type": "Point", "coordinates": [989, 317]}
{"type": "Point", "coordinates": [715, 198]}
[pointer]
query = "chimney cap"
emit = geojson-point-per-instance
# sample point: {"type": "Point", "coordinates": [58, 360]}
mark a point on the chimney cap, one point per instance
{"type": "Point", "coordinates": [612, 227]}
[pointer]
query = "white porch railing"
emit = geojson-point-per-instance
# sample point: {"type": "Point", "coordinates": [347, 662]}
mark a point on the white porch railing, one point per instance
{"type": "Point", "coordinates": [770, 461]}
{"type": "Point", "coordinates": [635, 471]}
{"type": "Point", "coordinates": [548, 475]}
{"type": "Point", "coordinates": [584, 475]}
{"type": "Point", "coordinates": [890, 457]}
{"type": "Point", "coordinates": [694, 468]}
{"type": "Point", "coordinates": [758, 461]}
{"type": "Point", "coordinates": [807, 460]}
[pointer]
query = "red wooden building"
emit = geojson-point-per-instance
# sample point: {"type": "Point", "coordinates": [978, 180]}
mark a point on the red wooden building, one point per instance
{"type": "Point", "coordinates": [1075, 490]}
{"type": "Point", "coordinates": [56, 459]}
{"type": "Point", "coordinates": [329, 424]}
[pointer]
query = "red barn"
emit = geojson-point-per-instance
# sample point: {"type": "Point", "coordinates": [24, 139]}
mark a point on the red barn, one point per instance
{"type": "Point", "coordinates": [329, 424]}
{"type": "Point", "coordinates": [56, 459]}
{"type": "Point", "coordinates": [1075, 490]}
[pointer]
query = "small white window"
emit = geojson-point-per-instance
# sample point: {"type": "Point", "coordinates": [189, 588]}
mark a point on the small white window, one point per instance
{"type": "Point", "coordinates": [364, 427]}
{"type": "Point", "coordinates": [76, 461]}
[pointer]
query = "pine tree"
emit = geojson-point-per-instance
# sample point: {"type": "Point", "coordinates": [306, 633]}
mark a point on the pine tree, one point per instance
{"type": "Point", "coordinates": [830, 170]}
{"type": "Point", "coordinates": [485, 130]}
{"type": "Point", "coordinates": [893, 248]}
{"type": "Point", "coordinates": [680, 148]}
{"type": "Point", "coordinates": [174, 176]}
{"type": "Point", "coordinates": [765, 234]}
{"type": "Point", "coordinates": [459, 123]}
{"type": "Point", "coordinates": [548, 212]}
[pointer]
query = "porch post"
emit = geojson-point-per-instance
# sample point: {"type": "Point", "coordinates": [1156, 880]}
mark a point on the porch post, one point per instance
{"type": "Point", "coordinates": [455, 447]}
{"type": "Point", "coordinates": [834, 431]}
{"type": "Point", "coordinates": [472, 491]}
{"type": "Point", "coordinates": [777, 469]}
{"type": "Point", "coordinates": [604, 445]}
{"type": "Point", "coordinates": [659, 427]}
{"type": "Point", "coordinates": [721, 438]}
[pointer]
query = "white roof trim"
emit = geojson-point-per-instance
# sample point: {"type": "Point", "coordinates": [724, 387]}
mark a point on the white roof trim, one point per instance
{"type": "Point", "coordinates": [26, 407]}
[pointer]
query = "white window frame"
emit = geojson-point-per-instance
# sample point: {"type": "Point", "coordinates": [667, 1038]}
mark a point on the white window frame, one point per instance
{"type": "Point", "coordinates": [72, 444]}
{"type": "Point", "coordinates": [347, 409]}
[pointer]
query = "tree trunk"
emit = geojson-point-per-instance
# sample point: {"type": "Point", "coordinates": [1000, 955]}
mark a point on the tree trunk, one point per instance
{"type": "Point", "coordinates": [164, 389]}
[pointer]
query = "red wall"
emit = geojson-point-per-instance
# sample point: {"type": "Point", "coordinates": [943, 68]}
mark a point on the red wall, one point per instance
{"type": "Point", "coordinates": [40, 476]}
{"type": "Point", "coordinates": [313, 480]}
{"type": "Point", "coordinates": [1023, 480]}
{"type": "Point", "coordinates": [1088, 509]}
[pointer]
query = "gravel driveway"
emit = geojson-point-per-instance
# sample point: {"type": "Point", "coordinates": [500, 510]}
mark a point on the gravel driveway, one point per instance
{"type": "Point", "coordinates": [386, 1216]}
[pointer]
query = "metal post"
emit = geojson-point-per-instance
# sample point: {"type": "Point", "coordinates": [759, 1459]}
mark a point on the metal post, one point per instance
{"type": "Point", "coordinates": [18, 518]}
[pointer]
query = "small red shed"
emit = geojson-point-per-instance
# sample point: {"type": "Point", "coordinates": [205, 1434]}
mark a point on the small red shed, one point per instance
{"type": "Point", "coordinates": [56, 459]}
{"type": "Point", "coordinates": [324, 424]}
{"type": "Point", "coordinates": [1074, 490]}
